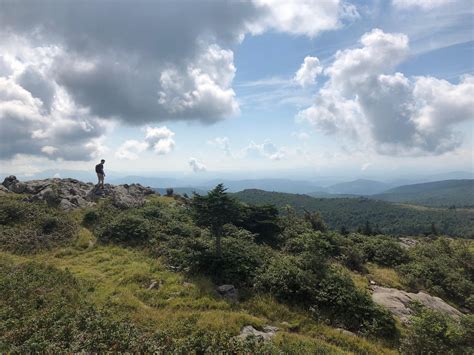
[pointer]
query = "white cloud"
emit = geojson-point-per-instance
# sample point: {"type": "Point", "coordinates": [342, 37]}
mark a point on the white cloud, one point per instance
{"type": "Point", "coordinates": [68, 75]}
{"type": "Point", "coordinates": [266, 150]}
{"type": "Point", "coordinates": [302, 136]}
{"type": "Point", "coordinates": [366, 101]}
{"type": "Point", "coordinates": [160, 139]}
{"type": "Point", "coordinates": [203, 88]}
{"type": "Point", "coordinates": [309, 70]}
{"type": "Point", "coordinates": [49, 149]}
{"type": "Point", "coordinates": [196, 165]}
{"type": "Point", "coordinates": [157, 139]}
{"type": "Point", "coordinates": [60, 132]}
{"type": "Point", "coordinates": [422, 4]}
{"type": "Point", "coordinates": [308, 17]}
{"type": "Point", "coordinates": [221, 143]}
{"type": "Point", "coordinates": [131, 149]}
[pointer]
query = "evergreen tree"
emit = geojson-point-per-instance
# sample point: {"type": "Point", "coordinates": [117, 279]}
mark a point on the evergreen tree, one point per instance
{"type": "Point", "coordinates": [215, 210]}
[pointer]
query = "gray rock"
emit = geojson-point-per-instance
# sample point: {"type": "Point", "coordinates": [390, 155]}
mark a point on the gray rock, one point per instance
{"type": "Point", "coordinates": [71, 193]}
{"type": "Point", "coordinates": [407, 243]}
{"type": "Point", "coordinates": [267, 333]}
{"type": "Point", "coordinates": [229, 292]}
{"type": "Point", "coordinates": [13, 185]}
{"type": "Point", "coordinates": [66, 205]}
{"type": "Point", "coordinates": [4, 190]}
{"type": "Point", "coordinates": [398, 301]}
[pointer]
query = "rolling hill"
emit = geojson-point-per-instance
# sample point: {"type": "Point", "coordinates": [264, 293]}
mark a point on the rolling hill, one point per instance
{"type": "Point", "coordinates": [358, 187]}
{"type": "Point", "coordinates": [459, 193]}
{"type": "Point", "coordinates": [388, 218]}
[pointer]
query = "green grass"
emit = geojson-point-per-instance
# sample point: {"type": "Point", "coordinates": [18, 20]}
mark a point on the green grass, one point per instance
{"type": "Point", "coordinates": [118, 279]}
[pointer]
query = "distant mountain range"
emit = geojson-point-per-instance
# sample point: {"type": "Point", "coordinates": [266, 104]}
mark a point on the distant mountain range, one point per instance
{"type": "Point", "coordinates": [359, 187]}
{"type": "Point", "coordinates": [438, 194]}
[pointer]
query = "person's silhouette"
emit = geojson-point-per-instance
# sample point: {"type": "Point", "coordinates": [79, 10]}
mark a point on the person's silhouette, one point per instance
{"type": "Point", "coordinates": [99, 169]}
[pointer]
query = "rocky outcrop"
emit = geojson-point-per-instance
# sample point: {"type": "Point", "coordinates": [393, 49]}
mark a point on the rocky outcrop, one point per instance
{"type": "Point", "coordinates": [398, 302]}
{"type": "Point", "coordinates": [69, 194]}
{"type": "Point", "coordinates": [267, 333]}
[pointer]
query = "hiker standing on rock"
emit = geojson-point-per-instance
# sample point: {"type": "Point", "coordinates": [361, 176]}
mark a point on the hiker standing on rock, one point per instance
{"type": "Point", "coordinates": [99, 169]}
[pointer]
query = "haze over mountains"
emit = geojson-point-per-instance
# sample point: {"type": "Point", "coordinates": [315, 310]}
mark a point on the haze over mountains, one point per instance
{"type": "Point", "coordinates": [320, 186]}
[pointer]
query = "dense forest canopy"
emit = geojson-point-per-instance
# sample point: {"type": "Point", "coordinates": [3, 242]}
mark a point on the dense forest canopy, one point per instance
{"type": "Point", "coordinates": [352, 214]}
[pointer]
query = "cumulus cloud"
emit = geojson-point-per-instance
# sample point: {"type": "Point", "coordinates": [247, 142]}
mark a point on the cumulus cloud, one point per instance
{"type": "Point", "coordinates": [196, 165]}
{"type": "Point", "coordinates": [221, 143]}
{"type": "Point", "coordinates": [308, 17]}
{"type": "Point", "coordinates": [157, 139]}
{"type": "Point", "coordinates": [131, 149]}
{"type": "Point", "coordinates": [59, 132]}
{"type": "Point", "coordinates": [366, 100]}
{"type": "Point", "coordinates": [73, 65]}
{"type": "Point", "coordinates": [422, 4]}
{"type": "Point", "coordinates": [160, 139]}
{"type": "Point", "coordinates": [266, 150]}
{"type": "Point", "coordinates": [170, 63]}
{"type": "Point", "coordinates": [309, 70]}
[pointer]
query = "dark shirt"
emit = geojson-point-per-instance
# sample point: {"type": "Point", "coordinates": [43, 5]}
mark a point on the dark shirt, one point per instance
{"type": "Point", "coordinates": [99, 169]}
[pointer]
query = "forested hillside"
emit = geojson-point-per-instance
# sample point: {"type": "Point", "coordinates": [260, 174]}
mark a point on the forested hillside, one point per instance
{"type": "Point", "coordinates": [353, 214]}
{"type": "Point", "coordinates": [448, 193]}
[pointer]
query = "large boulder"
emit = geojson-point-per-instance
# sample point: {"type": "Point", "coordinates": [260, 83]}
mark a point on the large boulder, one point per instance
{"type": "Point", "coordinates": [398, 302]}
{"type": "Point", "coordinates": [13, 185]}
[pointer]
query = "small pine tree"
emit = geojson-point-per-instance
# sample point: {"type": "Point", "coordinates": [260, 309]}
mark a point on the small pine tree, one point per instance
{"type": "Point", "coordinates": [169, 192]}
{"type": "Point", "coordinates": [215, 210]}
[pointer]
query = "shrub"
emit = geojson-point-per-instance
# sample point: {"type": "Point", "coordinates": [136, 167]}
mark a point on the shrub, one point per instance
{"type": "Point", "coordinates": [238, 265]}
{"type": "Point", "coordinates": [285, 279]}
{"type": "Point", "coordinates": [329, 294]}
{"type": "Point", "coordinates": [11, 210]}
{"type": "Point", "coordinates": [384, 251]}
{"type": "Point", "coordinates": [90, 218]}
{"type": "Point", "coordinates": [31, 227]}
{"type": "Point", "coordinates": [262, 221]}
{"type": "Point", "coordinates": [431, 332]}
{"type": "Point", "coordinates": [128, 229]}
{"type": "Point", "coordinates": [442, 267]}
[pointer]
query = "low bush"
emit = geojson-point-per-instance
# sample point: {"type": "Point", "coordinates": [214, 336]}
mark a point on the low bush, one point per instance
{"type": "Point", "coordinates": [241, 257]}
{"type": "Point", "coordinates": [443, 267]}
{"type": "Point", "coordinates": [127, 229]}
{"type": "Point", "coordinates": [329, 294]}
{"type": "Point", "coordinates": [31, 227]}
{"type": "Point", "coordinates": [431, 332]}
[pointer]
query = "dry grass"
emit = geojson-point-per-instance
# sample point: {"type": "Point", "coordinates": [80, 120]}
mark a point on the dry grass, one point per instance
{"type": "Point", "coordinates": [384, 276]}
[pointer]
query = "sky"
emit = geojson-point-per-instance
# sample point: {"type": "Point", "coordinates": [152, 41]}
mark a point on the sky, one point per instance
{"type": "Point", "coordinates": [256, 87]}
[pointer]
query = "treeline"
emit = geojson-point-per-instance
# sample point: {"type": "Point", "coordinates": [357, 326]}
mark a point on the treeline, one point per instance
{"type": "Point", "coordinates": [353, 214]}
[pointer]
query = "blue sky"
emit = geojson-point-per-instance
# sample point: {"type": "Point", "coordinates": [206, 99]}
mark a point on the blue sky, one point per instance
{"type": "Point", "coordinates": [387, 86]}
